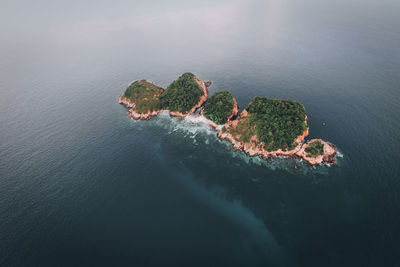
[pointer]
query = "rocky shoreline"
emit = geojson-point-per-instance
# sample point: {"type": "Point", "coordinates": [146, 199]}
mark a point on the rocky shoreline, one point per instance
{"type": "Point", "coordinates": [299, 151]}
{"type": "Point", "coordinates": [328, 156]}
{"type": "Point", "coordinates": [250, 148]}
{"type": "Point", "coordinates": [146, 116]}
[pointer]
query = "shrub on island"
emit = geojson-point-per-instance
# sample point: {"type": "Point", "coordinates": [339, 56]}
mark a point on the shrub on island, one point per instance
{"type": "Point", "coordinates": [219, 107]}
{"type": "Point", "coordinates": [273, 123]}
{"type": "Point", "coordinates": [315, 149]}
{"type": "Point", "coordinates": [182, 94]}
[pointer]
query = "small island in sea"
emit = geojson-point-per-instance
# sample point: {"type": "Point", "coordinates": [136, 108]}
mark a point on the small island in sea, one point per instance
{"type": "Point", "coordinates": [266, 127]}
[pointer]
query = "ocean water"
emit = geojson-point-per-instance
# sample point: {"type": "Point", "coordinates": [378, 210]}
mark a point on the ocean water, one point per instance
{"type": "Point", "coordinates": [83, 185]}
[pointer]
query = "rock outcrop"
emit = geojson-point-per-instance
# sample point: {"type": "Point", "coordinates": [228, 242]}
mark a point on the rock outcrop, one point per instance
{"type": "Point", "coordinates": [327, 156]}
{"type": "Point", "coordinates": [126, 102]}
{"type": "Point", "coordinates": [203, 98]}
{"type": "Point", "coordinates": [235, 110]}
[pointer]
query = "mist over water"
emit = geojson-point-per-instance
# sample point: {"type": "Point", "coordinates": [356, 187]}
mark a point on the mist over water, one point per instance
{"type": "Point", "coordinates": [82, 184]}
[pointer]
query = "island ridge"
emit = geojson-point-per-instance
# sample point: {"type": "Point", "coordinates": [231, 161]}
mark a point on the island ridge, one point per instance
{"type": "Point", "coordinates": [266, 127]}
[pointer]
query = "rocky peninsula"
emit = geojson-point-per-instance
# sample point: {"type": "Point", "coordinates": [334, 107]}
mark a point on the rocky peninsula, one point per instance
{"type": "Point", "coordinates": [266, 128]}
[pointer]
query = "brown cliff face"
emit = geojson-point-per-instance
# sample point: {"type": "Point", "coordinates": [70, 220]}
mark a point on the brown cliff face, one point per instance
{"type": "Point", "coordinates": [126, 102]}
{"type": "Point", "coordinates": [244, 114]}
{"type": "Point", "coordinates": [235, 110]}
{"type": "Point", "coordinates": [143, 116]}
{"type": "Point", "coordinates": [203, 98]}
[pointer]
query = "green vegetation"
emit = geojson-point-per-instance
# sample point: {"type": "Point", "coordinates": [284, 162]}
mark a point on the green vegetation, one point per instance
{"type": "Point", "coordinates": [219, 107]}
{"type": "Point", "coordinates": [244, 129]}
{"type": "Point", "coordinates": [275, 123]}
{"type": "Point", "coordinates": [145, 95]}
{"type": "Point", "coordinates": [315, 149]}
{"type": "Point", "coordinates": [182, 94]}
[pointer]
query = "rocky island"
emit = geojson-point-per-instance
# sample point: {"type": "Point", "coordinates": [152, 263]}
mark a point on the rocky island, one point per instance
{"type": "Point", "coordinates": [181, 98]}
{"type": "Point", "coordinates": [266, 127]}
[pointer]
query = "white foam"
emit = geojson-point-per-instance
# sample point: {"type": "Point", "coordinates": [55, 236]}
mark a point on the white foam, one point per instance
{"type": "Point", "coordinates": [202, 120]}
{"type": "Point", "coordinates": [190, 127]}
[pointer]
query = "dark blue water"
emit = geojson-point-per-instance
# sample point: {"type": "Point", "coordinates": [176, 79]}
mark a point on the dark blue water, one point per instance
{"type": "Point", "coordinates": [83, 185]}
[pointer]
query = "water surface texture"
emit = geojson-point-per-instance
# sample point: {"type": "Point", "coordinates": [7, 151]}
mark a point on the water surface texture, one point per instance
{"type": "Point", "coordinates": [83, 185]}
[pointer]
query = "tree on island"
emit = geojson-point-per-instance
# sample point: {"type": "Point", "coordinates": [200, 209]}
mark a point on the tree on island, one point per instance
{"type": "Point", "coordinates": [219, 107]}
{"type": "Point", "coordinates": [315, 149]}
{"type": "Point", "coordinates": [182, 94]}
{"type": "Point", "coordinates": [276, 123]}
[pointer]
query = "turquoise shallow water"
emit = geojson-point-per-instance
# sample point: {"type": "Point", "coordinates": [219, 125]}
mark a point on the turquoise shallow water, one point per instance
{"type": "Point", "coordinates": [82, 184]}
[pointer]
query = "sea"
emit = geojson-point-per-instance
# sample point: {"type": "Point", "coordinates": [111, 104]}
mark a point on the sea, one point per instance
{"type": "Point", "coordinates": [81, 184]}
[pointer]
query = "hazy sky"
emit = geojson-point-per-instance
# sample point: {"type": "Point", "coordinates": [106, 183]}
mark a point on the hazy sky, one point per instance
{"type": "Point", "coordinates": [223, 25]}
{"type": "Point", "coordinates": [47, 14]}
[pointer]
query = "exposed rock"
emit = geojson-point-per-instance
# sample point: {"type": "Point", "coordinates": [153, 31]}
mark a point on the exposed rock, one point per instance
{"type": "Point", "coordinates": [235, 110]}
{"type": "Point", "coordinates": [125, 101]}
{"type": "Point", "coordinates": [244, 114]}
{"type": "Point", "coordinates": [328, 156]}
{"type": "Point", "coordinates": [203, 98]}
